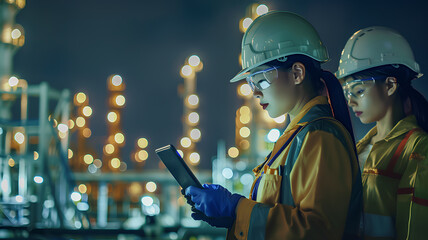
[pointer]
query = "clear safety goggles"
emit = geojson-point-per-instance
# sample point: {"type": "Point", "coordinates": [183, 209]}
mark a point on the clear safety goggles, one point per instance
{"type": "Point", "coordinates": [359, 87]}
{"type": "Point", "coordinates": [261, 80]}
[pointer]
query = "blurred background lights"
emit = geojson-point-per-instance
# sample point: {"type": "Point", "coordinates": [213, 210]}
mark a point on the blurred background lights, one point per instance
{"type": "Point", "coordinates": [233, 152]}
{"type": "Point", "coordinates": [119, 138]}
{"type": "Point", "coordinates": [80, 121]}
{"type": "Point", "coordinates": [70, 153]}
{"type": "Point", "coordinates": [38, 179]}
{"type": "Point", "coordinates": [11, 162]}
{"type": "Point", "coordinates": [142, 142]}
{"type": "Point", "coordinates": [143, 155]}
{"type": "Point", "coordinates": [194, 157]}
{"type": "Point", "coordinates": [247, 22]}
{"type": "Point", "coordinates": [62, 127]}
{"type": "Point", "coordinates": [244, 132]}
{"type": "Point", "coordinates": [280, 119]}
{"type": "Point", "coordinates": [245, 89]}
{"type": "Point", "coordinates": [194, 117]}
{"type": "Point", "coordinates": [151, 186]}
{"type": "Point", "coordinates": [180, 152]}
{"type": "Point", "coordinates": [92, 169]}
{"type": "Point", "coordinates": [87, 111]}
{"type": "Point", "coordinates": [75, 196]}
{"type": "Point", "coordinates": [195, 134]}
{"type": "Point", "coordinates": [13, 81]}
{"type": "Point", "coordinates": [88, 159]}
{"type": "Point", "coordinates": [112, 117]}
{"type": "Point", "coordinates": [147, 200]}
{"type": "Point", "coordinates": [123, 166]}
{"type": "Point", "coordinates": [244, 110]}
{"type": "Point", "coordinates": [193, 100]}
{"type": "Point", "coordinates": [98, 163]}
{"type": "Point", "coordinates": [19, 198]}
{"type": "Point", "coordinates": [273, 135]}
{"type": "Point", "coordinates": [82, 188]}
{"type": "Point", "coordinates": [227, 173]}
{"type": "Point", "coordinates": [109, 148]}
{"type": "Point", "coordinates": [241, 165]}
{"type": "Point", "coordinates": [19, 137]}
{"type": "Point", "coordinates": [87, 132]}
{"type": "Point", "coordinates": [194, 60]}
{"type": "Point", "coordinates": [120, 100]}
{"type": "Point", "coordinates": [36, 155]}
{"type": "Point", "coordinates": [16, 33]}
{"type": "Point", "coordinates": [115, 163]}
{"type": "Point", "coordinates": [116, 80]}
{"type": "Point", "coordinates": [185, 142]}
{"type": "Point", "coordinates": [246, 179]}
{"type": "Point", "coordinates": [81, 97]}
{"type": "Point", "coordinates": [70, 124]}
{"type": "Point", "coordinates": [82, 206]}
{"type": "Point", "coordinates": [186, 70]}
{"type": "Point", "coordinates": [262, 9]}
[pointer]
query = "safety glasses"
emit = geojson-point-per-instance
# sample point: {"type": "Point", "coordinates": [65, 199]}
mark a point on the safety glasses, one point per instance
{"type": "Point", "coordinates": [261, 80]}
{"type": "Point", "coordinates": [359, 87]}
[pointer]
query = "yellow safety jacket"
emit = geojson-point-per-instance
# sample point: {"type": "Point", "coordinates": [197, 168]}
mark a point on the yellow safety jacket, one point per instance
{"type": "Point", "coordinates": [395, 183]}
{"type": "Point", "coordinates": [309, 186]}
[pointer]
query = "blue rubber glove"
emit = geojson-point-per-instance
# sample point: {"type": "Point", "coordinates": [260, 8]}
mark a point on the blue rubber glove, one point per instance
{"type": "Point", "coordinates": [214, 200]}
{"type": "Point", "coordinates": [220, 222]}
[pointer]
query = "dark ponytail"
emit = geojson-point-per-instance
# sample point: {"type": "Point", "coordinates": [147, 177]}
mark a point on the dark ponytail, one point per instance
{"type": "Point", "coordinates": [419, 107]}
{"type": "Point", "coordinates": [337, 100]}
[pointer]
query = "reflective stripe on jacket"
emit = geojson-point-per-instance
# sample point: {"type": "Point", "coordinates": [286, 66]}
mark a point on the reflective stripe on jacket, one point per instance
{"type": "Point", "coordinates": [396, 193]}
{"type": "Point", "coordinates": [305, 193]}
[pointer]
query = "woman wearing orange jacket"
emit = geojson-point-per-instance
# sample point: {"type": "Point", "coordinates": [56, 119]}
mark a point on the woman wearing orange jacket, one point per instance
{"type": "Point", "coordinates": [377, 68]}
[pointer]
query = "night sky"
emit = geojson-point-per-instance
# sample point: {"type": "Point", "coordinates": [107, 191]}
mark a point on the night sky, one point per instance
{"type": "Point", "coordinates": [78, 44]}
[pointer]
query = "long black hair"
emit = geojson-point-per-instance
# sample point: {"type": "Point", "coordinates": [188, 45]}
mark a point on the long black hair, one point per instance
{"type": "Point", "coordinates": [323, 81]}
{"type": "Point", "coordinates": [412, 100]}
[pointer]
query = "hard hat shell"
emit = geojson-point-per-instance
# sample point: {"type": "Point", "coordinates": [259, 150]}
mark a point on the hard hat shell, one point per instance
{"type": "Point", "coordinates": [373, 47]}
{"type": "Point", "coordinates": [276, 35]}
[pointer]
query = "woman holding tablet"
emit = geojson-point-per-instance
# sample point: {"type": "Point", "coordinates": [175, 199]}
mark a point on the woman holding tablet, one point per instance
{"type": "Point", "coordinates": [309, 187]}
{"type": "Point", "coordinates": [377, 68]}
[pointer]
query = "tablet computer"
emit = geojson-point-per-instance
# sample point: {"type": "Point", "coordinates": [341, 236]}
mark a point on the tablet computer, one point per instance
{"type": "Point", "coordinates": [177, 167]}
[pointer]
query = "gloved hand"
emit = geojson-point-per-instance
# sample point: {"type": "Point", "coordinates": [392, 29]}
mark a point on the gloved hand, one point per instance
{"type": "Point", "coordinates": [220, 222]}
{"type": "Point", "coordinates": [213, 200]}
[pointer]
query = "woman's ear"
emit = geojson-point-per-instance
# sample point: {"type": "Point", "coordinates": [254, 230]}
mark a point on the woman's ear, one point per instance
{"type": "Point", "coordinates": [391, 85]}
{"type": "Point", "coordinates": [299, 71]}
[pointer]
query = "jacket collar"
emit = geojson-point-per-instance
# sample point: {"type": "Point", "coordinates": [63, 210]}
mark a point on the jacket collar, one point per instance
{"type": "Point", "coordinates": [317, 107]}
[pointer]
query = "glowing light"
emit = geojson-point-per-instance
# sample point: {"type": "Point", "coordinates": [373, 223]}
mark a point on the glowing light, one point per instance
{"type": "Point", "coordinates": [16, 33]}
{"type": "Point", "coordinates": [151, 186]}
{"type": "Point", "coordinates": [87, 132]}
{"type": "Point", "coordinates": [246, 23]}
{"type": "Point", "coordinates": [82, 206]}
{"type": "Point", "coordinates": [194, 157]}
{"type": "Point", "coordinates": [195, 134]}
{"type": "Point", "coordinates": [87, 111]}
{"type": "Point", "coordinates": [262, 9]}
{"type": "Point", "coordinates": [80, 121]}
{"type": "Point", "coordinates": [81, 97]}
{"type": "Point", "coordinates": [143, 155]}
{"type": "Point", "coordinates": [147, 201]}
{"type": "Point", "coordinates": [244, 144]}
{"type": "Point", "coordinates": [244, 119]}
{"type": "Point", "coordinates": [244, 110]}
{"type": "Point", "coordinates": [123, 166]}
{"type": "Point", "coordinates": [88, 159]}
{"type": "Point", "coordinates": [19, 198]}
{"type": "Point", "coordinates": [186, 70]}
{"type": "Point", "coordinates": [120, 100]}
{"type": "Point", "coordinates": [109, 148]}
{"type": "Point", "coordinates": [70, 124]}
{"type": "Point", "coordinates": [82, 188]}
{"type": "Point", "coordinates": [246, 179]}
{"type": "Point", "coordinates": [116, 80]}
{"type": "Point", "coordinates": [119, 138]}
{"type": "Point", "coordinates": [19, 137]}
{"type": "Point", "coordinates": [38, 179]}
{"type": "Point", "coordinates": [185, 142]}
{"type": "Point", "coordinates": [11, 162]}
{"type": "Point", "coordinates": [180, 152]}
{"type": "Point", "coordinates": [75, 196]}
{"type": "Point", "coordinates": [280, 119]}
{"type": "Point", "coordinates": [193, 117]}
{"type": "Point", "coordinates": [193, 100]}
{"type": "Point", "coordinates": [115, 163]}
{"type": "Point", "coordinates": [112, 117]}
{"type": "Point", "coordinates": [92, 169]}
{"type": "Point", "coordinates": [62, 127]}
{"type": "Point", "coordinates": [13, 81]}
{"type": "Point", "coordinates": [244, 132]}
{"type": "Point", "coordinates": [233, 152]}
{"type": "Point", "coordinates": [62, 135]}
{"type": "Point", "coordinates": [98, 163]}
{"type": "Point", "coordinates": [142, 142]}
{"type": "Point", "coordinates": [241, 165]}
{"type": "Point", "coordinates": [194, 60]}
{"type": "Point", "coordinates": [245, 89]}
{"type": "Point", "coordinates": [227, 173]}
{"type": "Point", "coordinates": [273, 135]}
{"type": "Point", "coordinates": [70, 153]}
{"type": "Point", "coordinates": [36, 155]}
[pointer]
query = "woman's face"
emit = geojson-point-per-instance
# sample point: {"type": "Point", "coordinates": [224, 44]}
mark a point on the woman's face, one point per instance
{"type": "Point", "coordinates": [368, 99]}
{"type": "Point", "coordinates": [279, 97]}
